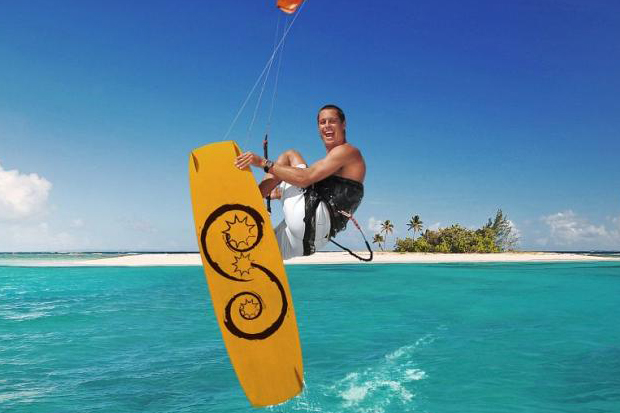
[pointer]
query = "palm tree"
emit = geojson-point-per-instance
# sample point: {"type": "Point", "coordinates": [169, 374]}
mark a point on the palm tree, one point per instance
{"type": "Point", "coordinates": [387, 227]}
{"type": "Point", "coordinates": [378, 239]}
{"type": "Point", "coordinates": [415, 224]}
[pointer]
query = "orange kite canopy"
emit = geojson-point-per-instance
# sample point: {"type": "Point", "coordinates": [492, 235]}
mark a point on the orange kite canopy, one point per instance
{"type": "Point", "coordinates": [289, 6]}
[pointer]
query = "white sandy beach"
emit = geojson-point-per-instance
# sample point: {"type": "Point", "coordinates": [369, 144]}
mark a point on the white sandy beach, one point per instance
{"type": "Point", "coordinates": [193, 259]}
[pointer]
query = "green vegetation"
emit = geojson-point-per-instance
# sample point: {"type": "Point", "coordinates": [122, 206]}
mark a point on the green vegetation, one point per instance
{"type": "Point", "coordinates": [378, 239]}
{"type": "Point", "coordinates": [451, 239]}
{"type": "Point", "coordinates": [495, 236]}
{"type": "Point", "coordinates": [415, 224]}
{"type": "Point", "coordinates": [505, 238]}
{"type": "Point", "coordinates": [388, 228]}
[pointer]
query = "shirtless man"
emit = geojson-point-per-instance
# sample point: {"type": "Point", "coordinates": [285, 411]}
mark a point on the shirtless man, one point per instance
{"type": "Point", "coordinates": [313, 197]}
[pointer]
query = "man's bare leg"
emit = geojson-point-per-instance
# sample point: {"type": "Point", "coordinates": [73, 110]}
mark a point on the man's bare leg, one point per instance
{"type": "Point", "coordinates": [288, 158]}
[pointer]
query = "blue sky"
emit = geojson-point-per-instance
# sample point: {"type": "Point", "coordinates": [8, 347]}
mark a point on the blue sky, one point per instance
{"type": "Point", "coordinates": [460, 108]}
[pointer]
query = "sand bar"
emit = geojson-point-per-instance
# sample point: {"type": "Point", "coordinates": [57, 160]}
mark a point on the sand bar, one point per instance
{"type": "Point", "coordinates": [193, 259]}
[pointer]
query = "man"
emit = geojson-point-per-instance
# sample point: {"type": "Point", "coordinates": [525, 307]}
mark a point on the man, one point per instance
{"type": "Point", "coordinates": [317, 200]}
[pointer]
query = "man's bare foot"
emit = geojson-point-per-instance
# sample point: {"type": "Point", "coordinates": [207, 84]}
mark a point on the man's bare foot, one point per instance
{"type": "Point", "coordinates": [276, 193]}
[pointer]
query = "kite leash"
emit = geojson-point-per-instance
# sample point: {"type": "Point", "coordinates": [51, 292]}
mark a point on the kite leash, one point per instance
{"type": "Point", "coordinates": [357, 225]}
{"type": "Point", "coordinates": [266, 155]}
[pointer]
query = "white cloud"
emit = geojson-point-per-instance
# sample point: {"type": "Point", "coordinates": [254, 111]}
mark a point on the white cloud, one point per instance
{"type": "Point", "coordinates": [434, 227]}
{"type": "Point", "coordinates": [139, 225]}
{"type": "Point", "coordinates": [77, 223]}
{"type": "Point", "coordinates": [614, 232]}
{"type": "Point", "coordinates": [374, 224]}
{"type": "Point", "coordinates": [514, 230]}
{"type": "Point", "coordinates": [40, 237]}
{"type": "Point", "coordinates": [567, 228]}
{"type": "Point", "coordinates": [22, 195]}
{"type": "Point", "coordinates": [23, 203]}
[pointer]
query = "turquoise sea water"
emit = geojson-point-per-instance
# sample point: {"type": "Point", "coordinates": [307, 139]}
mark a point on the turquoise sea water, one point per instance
{"type": "Point", "coordinates": [376, 338]}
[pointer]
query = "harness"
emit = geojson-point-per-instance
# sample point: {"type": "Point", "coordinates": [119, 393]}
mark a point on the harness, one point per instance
{"type": "Point", "coordinates": [342, 196]}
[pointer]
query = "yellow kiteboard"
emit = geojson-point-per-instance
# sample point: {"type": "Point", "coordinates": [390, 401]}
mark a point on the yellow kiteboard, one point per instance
{"type": "Point", "coordinates": [246, 276]}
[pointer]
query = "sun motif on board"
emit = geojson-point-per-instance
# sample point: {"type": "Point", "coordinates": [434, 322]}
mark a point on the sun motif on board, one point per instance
{"type": "Point", "coordinates": [239, 232]}
{"type": "Point", "coordinates": [250, 309]}
{"type": "Point", "coordinates": [242, 264]}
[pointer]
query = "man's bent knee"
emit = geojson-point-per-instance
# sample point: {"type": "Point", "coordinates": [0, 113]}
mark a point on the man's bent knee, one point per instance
{"type": "Point", "coordinates": [290, 158]}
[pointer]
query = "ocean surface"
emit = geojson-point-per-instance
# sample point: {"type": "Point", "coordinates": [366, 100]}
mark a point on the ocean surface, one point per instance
{"type": "Point", "coordinates": [540, 337]}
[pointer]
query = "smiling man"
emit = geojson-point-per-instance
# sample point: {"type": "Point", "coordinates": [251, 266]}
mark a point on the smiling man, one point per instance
{"type": "Point", "coordinates": [317, 200]}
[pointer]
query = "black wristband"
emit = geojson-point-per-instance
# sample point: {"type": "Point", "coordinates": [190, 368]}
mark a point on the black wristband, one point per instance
{"type": "Point", "coordinates": [268, 165]}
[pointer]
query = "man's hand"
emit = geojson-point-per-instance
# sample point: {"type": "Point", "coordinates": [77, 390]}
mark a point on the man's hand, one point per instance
{"type": "Point", "coordinates": [248, 158]}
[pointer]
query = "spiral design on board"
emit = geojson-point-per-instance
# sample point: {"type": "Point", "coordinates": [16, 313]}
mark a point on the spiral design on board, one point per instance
{"type": "Point", "coordinates": [240, 237]}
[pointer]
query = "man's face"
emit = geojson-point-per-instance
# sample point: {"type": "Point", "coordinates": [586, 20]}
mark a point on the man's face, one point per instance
{"type": "Point", "coordinates": [331, 128]}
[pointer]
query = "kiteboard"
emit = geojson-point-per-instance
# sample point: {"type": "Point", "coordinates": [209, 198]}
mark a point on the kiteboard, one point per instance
{"type": "Point", "coordinates": [245, 274]}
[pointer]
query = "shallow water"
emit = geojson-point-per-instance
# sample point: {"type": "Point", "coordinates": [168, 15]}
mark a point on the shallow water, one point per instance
{"type": "Point", "coordinates": [376, 338]}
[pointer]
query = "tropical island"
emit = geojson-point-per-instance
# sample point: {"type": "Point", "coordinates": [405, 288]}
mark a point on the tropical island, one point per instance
{"type": "Point", "coordinates": [495, 236]}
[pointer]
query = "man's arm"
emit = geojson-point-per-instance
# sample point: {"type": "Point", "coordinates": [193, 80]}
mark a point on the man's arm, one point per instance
{"type": "Point", "coordinates": [332, 163]}
{"type": "Point", "coordinates": [335, 159]}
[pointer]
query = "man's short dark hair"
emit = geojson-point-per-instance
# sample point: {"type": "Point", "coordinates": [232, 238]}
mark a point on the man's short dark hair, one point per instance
{"type": "Point", "coordinates": [340, 112]}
